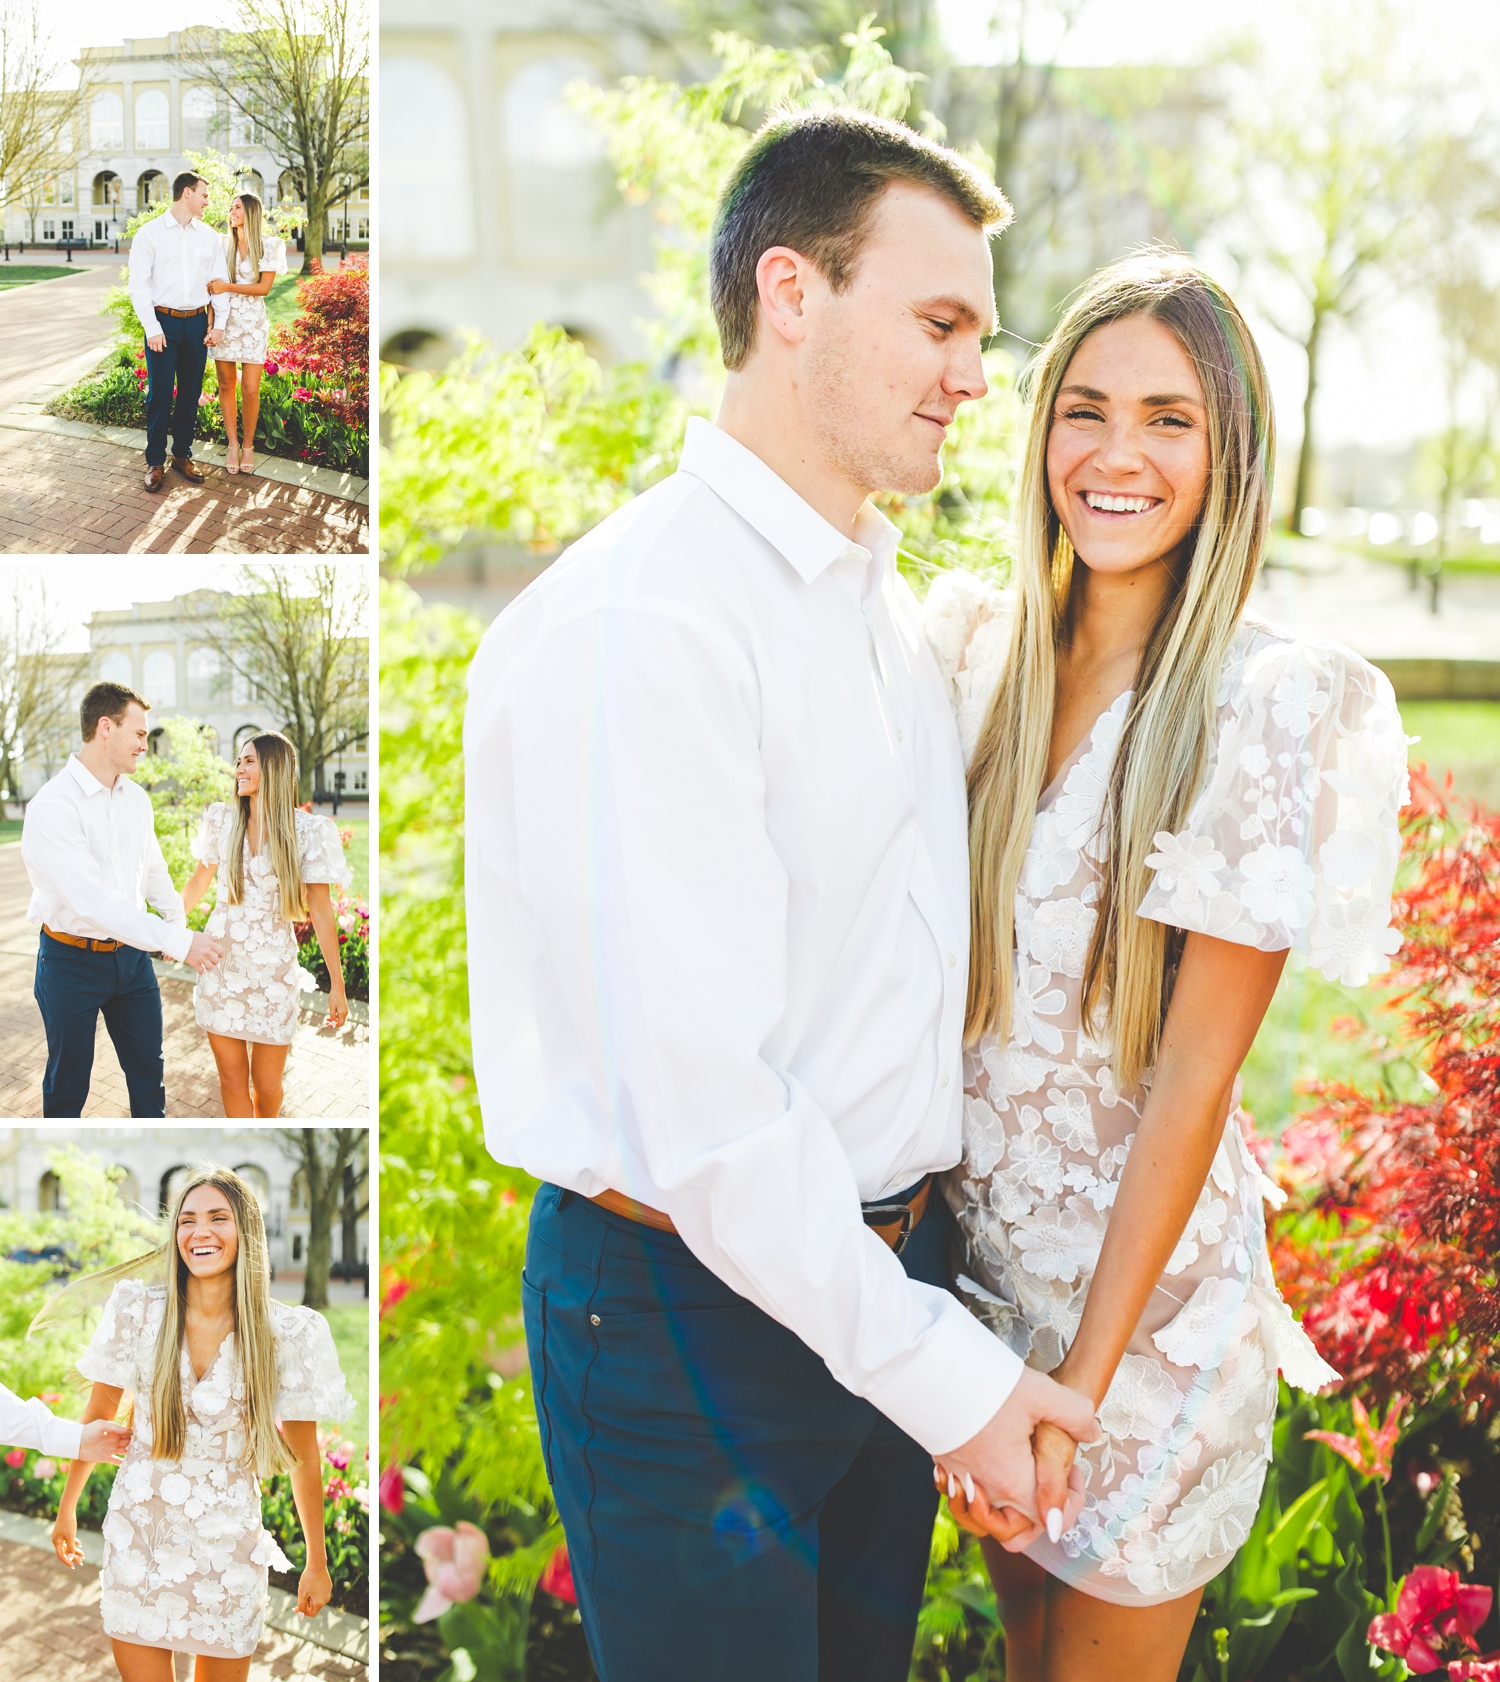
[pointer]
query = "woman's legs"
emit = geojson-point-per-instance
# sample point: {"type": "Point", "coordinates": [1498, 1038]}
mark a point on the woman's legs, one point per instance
{"type": "Point", "coordinates": [267, 1065]}
{"type": "Point", "coordinates": [1054, 1633]}
{"type": "Point", "coordinates": [142, 1664]}
{"type": "Point", "coordinates": [232, 1058]}
{"type": "Point", "coordinates": [225, 374]}
{"type": "Point", "coordinates": [220, 1670]}
{"type": "Point", "coordinates": [250, 373]}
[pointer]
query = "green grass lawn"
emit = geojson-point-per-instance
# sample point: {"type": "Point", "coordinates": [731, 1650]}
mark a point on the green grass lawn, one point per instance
{"type": "Point", "coordinates": [350, 1323]}
{"type": "Point", "coordinates": [10, 829]}
{"type": "Point", "coordinates": [23, 274]}
{"type": "Point", "coordinates": [358, 854]}
{"type": "Point", "coordinates": [281, 300]}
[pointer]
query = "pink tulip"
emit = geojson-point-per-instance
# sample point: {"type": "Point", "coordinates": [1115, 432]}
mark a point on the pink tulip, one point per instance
{"type": "Point", "coordinates": [45, 1468]}
{"type": "Point", "coordinates": [338, 1489]}
{"type": "Point", "coordinates": [16, 1458]}
{"type": "Point", "coordinates": [392, 1488]}
{"type": "Point", "coordinates": [557, 1579]}
{"type": "Point", "coordinates": [339, 1456]}
{"type": "Point", "coordinates": [1368, 1451]}
{"type": "Point", "coordinates": [271, 367]}
{"type": "Point", "coordinates": [1433, 1608]}
{"type": "Point", "coordinates": [454, 1561]}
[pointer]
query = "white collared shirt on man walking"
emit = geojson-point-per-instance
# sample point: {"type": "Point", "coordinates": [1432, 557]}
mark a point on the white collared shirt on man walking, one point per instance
{"type": "Point", "coordinates": [717, 883]}
{"type": "Point", "coordinates": [95, 863]}
{"type": "Point", "coordinates": [32, 1425]}
{"type": "Point", "coordinates": [171, 265]}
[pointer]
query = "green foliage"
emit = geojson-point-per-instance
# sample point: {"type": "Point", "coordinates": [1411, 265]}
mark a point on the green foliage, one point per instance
{"type": "Point", "coordinates": [182, 787]}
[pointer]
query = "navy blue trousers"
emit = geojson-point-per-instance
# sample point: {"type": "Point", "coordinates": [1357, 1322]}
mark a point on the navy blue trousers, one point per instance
{"type": "Point", "coordinates": [72, 987]}
{"type": "Point", "coordinates": [731, 1511]}
{"type": "Point", "coordinates": [182, 361]}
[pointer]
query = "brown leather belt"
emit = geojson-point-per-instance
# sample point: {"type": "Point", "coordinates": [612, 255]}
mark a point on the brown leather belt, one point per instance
{"type": "Point", "coordinates": [80, 941]}
{"type": "Point", "coordinates": [182, 315]}
{"type": "Point", "coordinates": [899, 1222]}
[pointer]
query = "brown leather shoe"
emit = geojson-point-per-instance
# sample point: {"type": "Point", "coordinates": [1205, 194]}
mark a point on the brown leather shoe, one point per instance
{"type": "Point", "coordinates": [153, 478]}
{"type": "Point", "coordinates": [188, 468]}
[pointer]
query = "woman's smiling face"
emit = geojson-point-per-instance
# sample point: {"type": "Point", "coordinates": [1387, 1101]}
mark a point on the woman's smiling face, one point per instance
{"type": "Point", "coordinates": [247, 770]}
{"type": "Point", "coordinates": [1127, 453]}
{"type": "Point", "coordinates": [236, 212]}
{"type": "Point", "coordinates": [207, 1238]}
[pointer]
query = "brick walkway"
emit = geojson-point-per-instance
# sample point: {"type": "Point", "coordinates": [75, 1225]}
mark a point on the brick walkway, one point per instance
{"type": "Point", "coordinates": [327, 1074]}
{"type": "Point", "coordinates": [50, 1629]}
{"type": "Point", "coordinates": [71, 496]}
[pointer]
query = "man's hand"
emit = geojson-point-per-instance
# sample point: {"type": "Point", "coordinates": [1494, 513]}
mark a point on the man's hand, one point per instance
{"type": "Point", "coordinates": [157, 341]}
{"type": "Point", "coordinates": [213, 335]}
{"type": "Point", "coordinates": [1018, 1490]}
{"type": "Point", "coordinates": [203, 954]}
{"type": "Point", "coordinates": [104, 1440]}
{"type": "Point", "coordinates": [1055, 1454]}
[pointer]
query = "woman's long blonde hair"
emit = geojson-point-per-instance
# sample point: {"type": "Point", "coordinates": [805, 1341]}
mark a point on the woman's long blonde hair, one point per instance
{"type": "Point", "coordinates": [254, 243]}
{"type": "Point", "coordinates": [1164, 746]}
{"type": "Point", "coordinates": [254, 1336]}
{"type": "Point", "coordinates": [278, 825]}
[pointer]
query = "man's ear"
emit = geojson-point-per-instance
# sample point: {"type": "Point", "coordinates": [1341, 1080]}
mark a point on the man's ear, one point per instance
{"type": "Point", "coordinates": [781, 278]}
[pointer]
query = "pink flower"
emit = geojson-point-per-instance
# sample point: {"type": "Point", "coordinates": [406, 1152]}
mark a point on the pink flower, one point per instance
{"type": "Point", "coordinates": [206, 399]}
{"type": "Point", "coordinates": [1432, 1609]}
{"type": "Point", "coordinates": [272, 367]}
{"type": "Point", "coordinates": [45, 1468]}
{"type": "Point", "coordinates": [557, 1579]}
{"type": "Point", "coordinates": [392, 1488]}
{"type": "Point", "coordinates": [1475, 1670]}
{"type": "Point", "coordinates": [1367, 1451]}
{"type": "Point", "coordinates": [301, 394]}
{"type": "Point", "coordinates": [50, 1397]}
{"type": "Point", "coordinates": [339, 1456]}
{"type": "Point", "coordinates": [394, 1294]}
{"type": "Point", "coordinates": [16, 1458]}
{"type": "Point", "coordinates": [454, 1561]}
{"type": "Point", "coordinates": [338, 1489]}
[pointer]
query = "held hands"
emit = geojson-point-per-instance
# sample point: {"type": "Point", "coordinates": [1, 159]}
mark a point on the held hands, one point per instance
{"type": "Point", "coordinates": [203, 954]}
{"type": "Point", "coordinates": [314, 1590]}
{"type": "Point", "coordinates": [338, 1008]}
{"type": "Point", "coordinates": [104, 1440]}
{"type": "Point", "coordinates": [65, 1543]}
{"type": "Point", "coordinates": [213, 335]}
{"type": "Point", "coordinates": [1055, 1454]}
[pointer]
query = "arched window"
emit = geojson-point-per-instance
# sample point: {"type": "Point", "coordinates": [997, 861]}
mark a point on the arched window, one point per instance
{"type": "Point", "coordinates": [424, 140]}
{"type": "Point", "coordinates": [151, 189]}
{"type": "Point", "coordinates": [203, 682]}
{"type": "Point", "coordinates": [152, 127]}
{"type": "Point", "coordinates": [160, 673]}
{"type": "Point", "coordinates": [106, 123]}
{"type": "Point", "coordinates": [243, 735]}
{"type": "Point", "coordinates": [171, 1184]}
{"type": "Point", "coordinates": [561, 195]}
{"type": "Point", "coordinates": [115, 667]}
{"type": "Point", "coordinates": [49, 1197]}
{"type": "Point", "coordinates": [107, 190]}
{"type": "Point", "coordinates": [157, 745]}
{"type": "Point", "coordinates": [198, 112]}
{"type": "Point", "coordinates": [288, 188]}
{"type": "Point", "coordinates": [299, 1197]}
{"type": "Point", "coordinates": [127, 1185]}
{"type": "Point", "coordinates": [258, 1180]}
{"type": "Point", "coordinates": [251, 181]}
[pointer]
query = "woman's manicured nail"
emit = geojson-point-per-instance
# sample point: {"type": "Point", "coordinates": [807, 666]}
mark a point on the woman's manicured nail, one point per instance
{"type": "Point", "coordinates": [952, 1484]}
{"type": "Point", "coordinates": [969, 1487]}
{"type": "Point", "coordinates": [1054, 1524]}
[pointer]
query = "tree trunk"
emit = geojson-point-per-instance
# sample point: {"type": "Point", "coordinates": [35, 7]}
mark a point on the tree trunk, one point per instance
{"type": "Point", "coordinates": [322, 1202]}
{"type": "Point", "coordinates": [350, 1235]}
{"type": "Point", "coordinates": [1302, 490]}
{"type": "Point", "coordinates": [317, 215]}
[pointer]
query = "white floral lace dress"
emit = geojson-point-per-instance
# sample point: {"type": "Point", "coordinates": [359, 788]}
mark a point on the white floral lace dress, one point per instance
{"type": "Point", "coordinates": [1292, 841]}
{"type": "Point", "coordinates": [254, 991]}
{"type": "Point", "coordinates": [185, 1552]}
{"type": "Point", "coordinates": [247, 331]}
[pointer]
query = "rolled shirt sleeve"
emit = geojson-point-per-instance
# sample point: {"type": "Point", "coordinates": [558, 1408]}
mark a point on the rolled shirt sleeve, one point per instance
{"type": "Point", "coordinates": [141, 269]}
{"type": "Point", "coordinates": [640, 862]}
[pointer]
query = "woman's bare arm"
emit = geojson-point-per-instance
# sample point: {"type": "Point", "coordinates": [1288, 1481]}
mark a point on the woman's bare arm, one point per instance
{"type": "Point", "coordinates": [316, 1586]}
{"type": "Point", "coordinates": [103, 1403]}
{"type": "Point", "coordinates": [320, 910]}
{"type": "Point", "coordinates": [197, 885]}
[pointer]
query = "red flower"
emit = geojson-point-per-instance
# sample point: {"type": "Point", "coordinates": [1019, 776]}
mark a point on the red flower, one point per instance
{"type": "Point", "coordinates": [271, 367]}
{"type": "Point", "coordinates": [338, 1489]}
{"type": "Point", "coordinates": [1434, 1609]}
{"type": "Point", "coordinates": [16, 1457]}
{"type": "Point", "coordinates": [302, 395]}
{"type": "Point", "coordinates": [398, 1289]}
{"type": "Point", "coordinates": [1367, 1451]}
{"type": "Point", "coordinates": [557, 1579]}
{"type": "Point", "coordinates": [392, 1488]}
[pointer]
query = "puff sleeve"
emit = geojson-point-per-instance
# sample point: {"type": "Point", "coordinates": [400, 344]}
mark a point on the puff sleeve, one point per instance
{"type": "Point", "coordinates": [272, 255]}
{"type": "Point", "coordinates": [320, 852]}
{"type": "Point", "coordinates": [110, 1356]}
{"type": "Point", "coordinates": [213, 832]}
{"type": "Point", "coordinates": [1293, 841]}
{"type": "Point", "coordinates": [967, 621]}
{"type": "Point", "coordinates": [311, 1384]}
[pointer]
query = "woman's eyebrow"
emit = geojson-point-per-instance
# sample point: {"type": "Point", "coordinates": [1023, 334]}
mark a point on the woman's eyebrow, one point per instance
{"type": "Point", "coordinates": [1165, 400]}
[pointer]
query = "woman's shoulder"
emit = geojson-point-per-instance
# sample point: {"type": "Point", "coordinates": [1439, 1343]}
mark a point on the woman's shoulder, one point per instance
{"type": "Point", "coordinates": [314, 826]}
{"type": "Point", "coordinates": [1296, 673]}
{"type": "Point", "coordinates": [966, 621]}
{"type": "Point", "coordinates": [135, 1296]}
{"type": "Point", "coordinates": [290, 1317]}
{"type": "Point", "coordinates": [217, 811]}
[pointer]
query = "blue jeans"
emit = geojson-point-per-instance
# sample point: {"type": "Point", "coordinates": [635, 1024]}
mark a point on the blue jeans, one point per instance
{"type": "Point", "coordinates": [731, 1510]}
{"type": "Point", "coordinates": [182, 359]}
{"type": "Point", "coordinates": [73, 986]}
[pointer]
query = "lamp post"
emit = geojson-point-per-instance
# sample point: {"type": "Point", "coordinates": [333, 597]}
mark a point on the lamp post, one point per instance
{"type": "Point", "coordinates": [346, 182]}
{"type": "Point", "coordinates": [338, 782]}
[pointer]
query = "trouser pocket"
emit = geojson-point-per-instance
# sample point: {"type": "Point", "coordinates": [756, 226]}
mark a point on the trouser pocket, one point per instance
{"type": "Point", "coordinates": [534, 1313]}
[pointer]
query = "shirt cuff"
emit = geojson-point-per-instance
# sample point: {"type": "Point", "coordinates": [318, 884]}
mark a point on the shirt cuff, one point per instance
{"type": "Point", "coordinates": [150, 326]}
{"type": "Point", "coordinates": [62, 1438]}
{"type": "Point", "coordinates": [176, 938]}
{"type": "Point", "coordinates": [961, 1380]}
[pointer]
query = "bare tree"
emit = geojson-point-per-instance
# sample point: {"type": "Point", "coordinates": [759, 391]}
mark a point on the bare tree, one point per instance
{"type": "Point", "coordinates": [323, 1154]}
{"type": "Point", "coordinates": [33, 116]}
{"type": "Point", "coordinates": [294, 634]}
{"type": "Point", "coordinates": [36, 679]}
{"type": "Point", "coordinates": [298, 70]}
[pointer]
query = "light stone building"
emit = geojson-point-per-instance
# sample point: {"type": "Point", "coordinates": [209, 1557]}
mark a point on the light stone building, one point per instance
{"type": "Point", "coordinates": [164, 651]}
{"type": "Point", "coordinates": [156, 1159]}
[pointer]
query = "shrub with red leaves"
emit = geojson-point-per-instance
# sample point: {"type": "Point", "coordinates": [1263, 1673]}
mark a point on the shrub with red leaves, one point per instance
{"type": "Point", "coordinates": [330, 337]}
{"type": "Point", "coordinates": [1390, 1249]}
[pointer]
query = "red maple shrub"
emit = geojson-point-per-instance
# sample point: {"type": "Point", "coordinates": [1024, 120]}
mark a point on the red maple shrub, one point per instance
{"type": "Point", "coordinates": [330, 340]}
{"type": "Point", "coordinates": [1390, 1246]}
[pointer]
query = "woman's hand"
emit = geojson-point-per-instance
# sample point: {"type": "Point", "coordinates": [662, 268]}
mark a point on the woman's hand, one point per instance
{"type": "Point", "coordinates": [338, 1007]}
{"type": "Point", "coordinates": [65, 1543]}
{"type": "Point", "coordinates": [218, 286]}
{"type": "Point", "coordinates": [314, 1590]}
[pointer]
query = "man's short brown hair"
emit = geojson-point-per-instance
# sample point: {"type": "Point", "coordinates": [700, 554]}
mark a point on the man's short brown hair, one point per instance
{"type": "Point", "coordinates": [107, 700]}
{"type": "Point", "coordinates": [811, 180]}
{"type": "Point", "coordinates": [183, 183]}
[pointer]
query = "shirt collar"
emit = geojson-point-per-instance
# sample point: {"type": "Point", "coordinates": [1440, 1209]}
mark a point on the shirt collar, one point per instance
{"type": "Point", "coordinates": [766, 502]}
{"type": "Point", "coordinates": [86, 779]}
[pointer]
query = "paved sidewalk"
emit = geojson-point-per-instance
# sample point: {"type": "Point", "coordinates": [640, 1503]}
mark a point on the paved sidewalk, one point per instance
{"type": "Point", "coordinates": [51, 326]}
{"type": "Point", "coordinates": [50, 1630]}
{"type": "Point", "coordinates": [327, 1074]}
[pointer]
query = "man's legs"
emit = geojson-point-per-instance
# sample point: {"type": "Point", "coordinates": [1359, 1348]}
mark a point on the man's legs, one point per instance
{"type": "Point", "coordinates": [133, 1017]}
{"type": "Point", "coordinates": [70, 987]}
{"type": "Point", "coordinates": [192, 357]}
{"type": "Point", "coordinates": [161, 371]}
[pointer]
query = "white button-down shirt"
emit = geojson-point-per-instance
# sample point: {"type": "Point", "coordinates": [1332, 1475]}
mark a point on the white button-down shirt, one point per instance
{"type": "Point", "coordinates": [717, 884]}
{"type": "Point", "coordinates": [30, 1425]}
{"type": "Point", "coordinates": [94, 862]}
{"type": "Point", "coordinates": [172, 265]}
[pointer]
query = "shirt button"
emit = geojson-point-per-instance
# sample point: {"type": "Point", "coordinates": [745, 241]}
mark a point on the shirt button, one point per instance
{"type": "Point", "coordinates": [593, 1319]}
{"type": "Point", "coordinates": [953, 960]}
{"type": "Point", "coordinates": [944, 1083]}
{"type": "Point", "coordinates": [900, 735]}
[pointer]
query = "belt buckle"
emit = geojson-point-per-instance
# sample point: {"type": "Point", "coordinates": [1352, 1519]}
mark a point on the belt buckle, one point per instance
{"type": "Point", "coordinates": [886, 1214]}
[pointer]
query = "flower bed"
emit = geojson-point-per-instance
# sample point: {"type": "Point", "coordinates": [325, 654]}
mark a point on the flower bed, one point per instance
{"type": "Point", "coordinates": [352, 919]}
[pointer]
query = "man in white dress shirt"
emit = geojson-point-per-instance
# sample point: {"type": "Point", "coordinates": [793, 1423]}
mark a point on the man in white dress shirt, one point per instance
{"type": "Point", "coordinates": [717, 881]}
{"type": "Point", "coordinates": [172, 259]}
{"type": "Point", "coordinates": [89, 846]}
{"type": "Point", "coordinates": [33, 1425]}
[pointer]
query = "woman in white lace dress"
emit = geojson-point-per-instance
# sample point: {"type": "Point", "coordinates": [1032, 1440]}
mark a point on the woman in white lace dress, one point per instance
{"type": "Point", "coordinates": [1164, 798]}
{"type": "Point", "coordinates": [252, 261]}
{"type": "Point", "coordinates": [213, 1363]}
{"type": "Point", "coordinates": [277, 863]}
